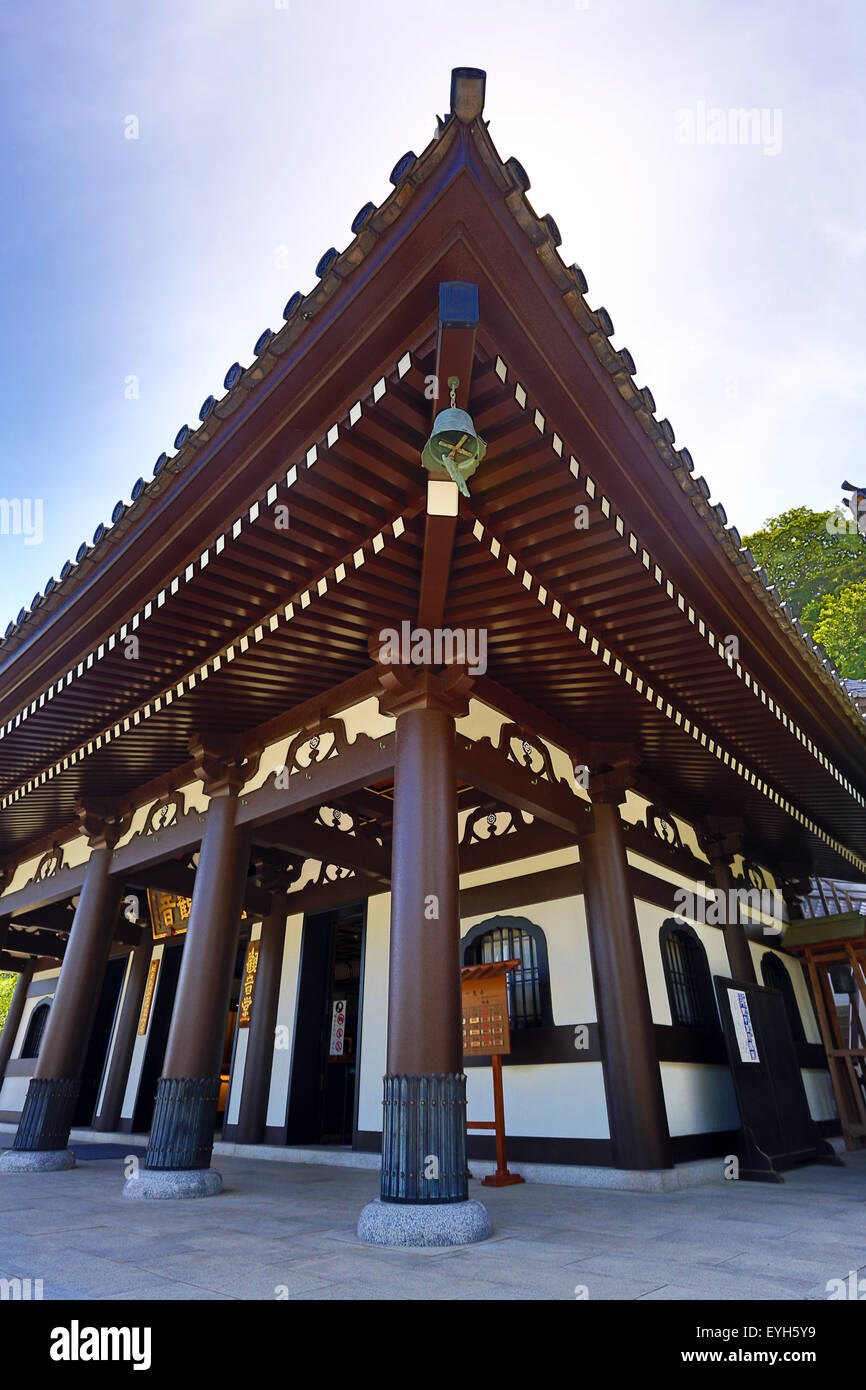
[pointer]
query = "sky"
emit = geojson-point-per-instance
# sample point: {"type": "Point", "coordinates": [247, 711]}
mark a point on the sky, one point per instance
{"type": "Point", "coordinates": [135, 270]}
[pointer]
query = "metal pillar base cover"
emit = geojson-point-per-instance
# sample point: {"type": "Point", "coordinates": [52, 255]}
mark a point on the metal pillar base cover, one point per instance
{"type": "Point", "coordinates": [424, 1140]}
{"type": "Point", "coordinates": [182, 1132]}
{"type": "Point", "coordinates": [47, 1115]}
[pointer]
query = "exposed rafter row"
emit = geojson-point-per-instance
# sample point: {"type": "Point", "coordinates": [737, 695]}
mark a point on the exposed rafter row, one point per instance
{"type": "Point", "coordinates": [608, 657]}
{"type": "Point", "coordinates": [667, 587]}
{"type": "Point", "coordinates": [280, 616]}
{"type": "Point", "coordinates": [216, 546]}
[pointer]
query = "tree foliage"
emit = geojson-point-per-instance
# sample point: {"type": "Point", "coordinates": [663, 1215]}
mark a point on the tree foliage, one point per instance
{"type": "Point", "coordinates": [809, 556]}
{"type": "Point", "coordinates": [7, 988]}
{"type": "Point", "coordinates": [841, 629]}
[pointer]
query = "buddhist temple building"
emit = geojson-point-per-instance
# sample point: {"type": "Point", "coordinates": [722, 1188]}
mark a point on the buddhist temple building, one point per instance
{"type": "Point", "coordinates": [423, 648]}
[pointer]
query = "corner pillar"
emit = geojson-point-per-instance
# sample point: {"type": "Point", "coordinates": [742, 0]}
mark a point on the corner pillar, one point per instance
{"type": "Point", "coordinates": [632, 1078]}
{"type": "Point", "coordinates": [424, 1190]}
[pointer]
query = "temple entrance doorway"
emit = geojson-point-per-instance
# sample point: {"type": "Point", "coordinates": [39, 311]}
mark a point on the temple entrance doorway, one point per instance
{"type": "Point", "coordinates": [322, 1100]}
{"type": "Point", "coordinates": [97, 1048]}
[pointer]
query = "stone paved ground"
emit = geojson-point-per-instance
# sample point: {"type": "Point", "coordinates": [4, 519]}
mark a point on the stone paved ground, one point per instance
{"type": "Point", "coordinates": [291, 1228]}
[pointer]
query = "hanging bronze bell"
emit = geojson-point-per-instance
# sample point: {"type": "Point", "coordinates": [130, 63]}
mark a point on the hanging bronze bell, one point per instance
{"type": "Point", "coordinates": [454, 447]}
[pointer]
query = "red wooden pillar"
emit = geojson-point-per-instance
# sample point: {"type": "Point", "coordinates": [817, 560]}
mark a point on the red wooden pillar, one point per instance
{"type": "Point", "coordinates": [43, 1130]}
{"type": "Point", "coordinates": [632, 1079]}
{"type": "Point", "coordinates": [722, 840]}
{"type": "Point", "coordinates": [424, 1128]}
{"type": "Point", "coordinates": [177, 1163]}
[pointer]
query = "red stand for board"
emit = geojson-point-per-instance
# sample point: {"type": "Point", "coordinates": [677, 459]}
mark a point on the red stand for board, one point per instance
{"type": "Point", "coordinates": [492, 1036]}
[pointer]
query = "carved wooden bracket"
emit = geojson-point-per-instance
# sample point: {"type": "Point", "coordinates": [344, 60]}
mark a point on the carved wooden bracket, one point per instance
{"type": "Point", "coordinates": [220, 767]}
{"type": "Point", "coordinates": [410, 687]}
{"type": "Point", "coordinates": [275, 871]}
{"type": "Point", "coordinates": [102, 824]}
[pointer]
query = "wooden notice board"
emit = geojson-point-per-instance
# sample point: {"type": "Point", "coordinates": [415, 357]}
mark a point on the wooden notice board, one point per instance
{"type": "Point", "coordinates": [147, 1001]}
{"type": "Point", "coordinates": [776, 1126]}
{"type": "Point", "coordinates": [245, 1005]}
{"type": "Point", "coordinates": [485, 1009]}
{"type": "Point", "coordinates": [169, 913]}
{"type": "Point", "coordinates": [486, 1034]}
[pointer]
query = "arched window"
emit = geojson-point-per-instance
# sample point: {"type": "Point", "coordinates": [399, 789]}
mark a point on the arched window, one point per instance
{"type": "Point", "coordinates": [687, 976]}
{"type": "Point", "coordinates": [515, 938]}
{"type": "Point", "coordinates": [35, 1030]}
{"type": "Point", "coordinates": [775, 975]}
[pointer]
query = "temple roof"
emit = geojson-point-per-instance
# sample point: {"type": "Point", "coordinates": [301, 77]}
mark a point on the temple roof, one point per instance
{"type": "Point", "coordinates": [618, 631]}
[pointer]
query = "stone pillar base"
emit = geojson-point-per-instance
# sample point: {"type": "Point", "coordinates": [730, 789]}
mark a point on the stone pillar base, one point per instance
{"type": "Point", "coordinates": [157, 1184]}
{"type": "Point", "coordinates": [423, 1223]}
{"type": "Point", "coordinates": [36, 1160]}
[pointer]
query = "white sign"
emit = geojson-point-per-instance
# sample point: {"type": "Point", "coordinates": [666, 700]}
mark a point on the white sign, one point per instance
{"type": "Point", "coordinates": [743, 1025]}
{"type": "Point", "coordinates": [338, 1028]}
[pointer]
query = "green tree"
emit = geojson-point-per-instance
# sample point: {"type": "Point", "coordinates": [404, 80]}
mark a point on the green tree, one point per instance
{"type": "Point", "coordinates": [7, 988]}
{"type": "Point", "coordinates": [808, 556]}
{"type": "Point", "coordinates": [841, 629]}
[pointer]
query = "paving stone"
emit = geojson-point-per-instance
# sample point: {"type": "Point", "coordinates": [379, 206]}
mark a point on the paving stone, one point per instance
{"type": "Point", "coordinates": [296, 1225]}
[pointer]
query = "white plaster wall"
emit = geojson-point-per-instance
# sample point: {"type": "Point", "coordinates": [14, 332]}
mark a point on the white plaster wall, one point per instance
{"type": "Point", "coordinates": [374, 1028]}
{"type": "Point", "coordinates": [649, 920]}
{"type": "Point", "coordinates": [556, 1100]}
{"type": "Point", "coordinates": [556, 859]}
{"type": "Point", "coordinates": [138, 1051]}
{"type": "Point", "coordinates": [698, 1098]}
{"type": "Point", "coordinates": [559, 1101]}
{"type": "Point", "coordinates": [278, 1096]}
{"type": "Point", "coordinates": [13, 1093]}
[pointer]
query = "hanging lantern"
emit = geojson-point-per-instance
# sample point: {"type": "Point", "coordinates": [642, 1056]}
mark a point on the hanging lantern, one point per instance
{"type": "Point", "coordinates": [454, 447]}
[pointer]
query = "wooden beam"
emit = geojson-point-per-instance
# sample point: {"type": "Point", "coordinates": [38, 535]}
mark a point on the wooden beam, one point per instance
{"type": "Point", "coordinates": [482, 766]}
{"type": "Point", "coordinates": [54, 917]}
{"type": "Point", "coordinates": [172, 877]}
{"type": "Point", "coordinates": [35, 943]}
{"type": "Point", "coordinates": [330, 846]}
{"type": "Point", "coordinates": [366, 761]}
